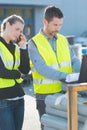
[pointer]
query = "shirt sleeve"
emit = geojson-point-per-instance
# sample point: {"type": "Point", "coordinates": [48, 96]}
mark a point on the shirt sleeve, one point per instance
{"type": "Point", "coordinates": [75, 61]}
{"type": "Point", "coordinates": [14, 74]}
{"type": "Point", "coordinates": [8, 74]}
{"type": "Point", "coordinates": [24, 61]}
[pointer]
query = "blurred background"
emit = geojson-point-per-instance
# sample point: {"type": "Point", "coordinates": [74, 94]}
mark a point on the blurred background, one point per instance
{"type": "Point", "coordinates": [75, 18]}
{"type": "Point", "coordinates": [74, 26]}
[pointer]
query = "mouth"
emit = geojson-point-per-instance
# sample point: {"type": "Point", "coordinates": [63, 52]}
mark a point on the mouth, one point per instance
{"type": "Point", "coordinates": [54, 33]}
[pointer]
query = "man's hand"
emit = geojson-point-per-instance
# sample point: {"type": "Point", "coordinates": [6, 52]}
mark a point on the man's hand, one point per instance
{"type": "Point", "coordinates": [72, 77]}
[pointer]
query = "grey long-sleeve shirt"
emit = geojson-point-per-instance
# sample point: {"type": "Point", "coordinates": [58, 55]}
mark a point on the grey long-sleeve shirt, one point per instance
{"type": "Point", "coordinates": [45, 70]}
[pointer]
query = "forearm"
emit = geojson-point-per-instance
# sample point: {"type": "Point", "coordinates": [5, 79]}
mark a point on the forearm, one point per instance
{"type": "Point", "coordinates": [41, 67]}
{"type": "Point", "coordinates": [76, 63]}
{"type": "Point", "coordinates": [24, 61]}
{"type": "Point", "coordinates": [8, 74]}
{"type": "Point", "coordinates": [49, 72]}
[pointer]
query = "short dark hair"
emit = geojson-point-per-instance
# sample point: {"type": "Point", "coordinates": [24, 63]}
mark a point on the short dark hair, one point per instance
{"type": "Point", "coordinates": [12, 20]}
{"type": "Point", "coordinates": [52, 11]}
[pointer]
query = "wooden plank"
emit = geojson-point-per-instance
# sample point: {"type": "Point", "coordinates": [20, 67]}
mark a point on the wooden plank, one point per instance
{"type": "Point", "coordinates": [72, 110]}
{"type": "Point", "coordinates": [72, 90]}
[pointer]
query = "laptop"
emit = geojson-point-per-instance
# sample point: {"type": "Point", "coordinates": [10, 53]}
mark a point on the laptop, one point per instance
{"type": "Point", "coordinates": [83, 71]}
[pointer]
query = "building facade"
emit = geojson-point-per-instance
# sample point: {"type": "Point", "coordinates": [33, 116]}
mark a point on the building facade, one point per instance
{"type": "Point", "coordinates": [75, 19]}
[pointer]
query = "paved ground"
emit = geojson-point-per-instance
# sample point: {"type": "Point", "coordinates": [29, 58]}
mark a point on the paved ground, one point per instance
{"type": "Point", "coordinates": [31, 119]}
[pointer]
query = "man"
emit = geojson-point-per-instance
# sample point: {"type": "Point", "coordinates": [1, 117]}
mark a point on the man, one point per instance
{"type": "Point", "coordinates": [51, 58]}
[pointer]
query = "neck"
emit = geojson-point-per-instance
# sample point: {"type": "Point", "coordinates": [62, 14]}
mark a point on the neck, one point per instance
{"type": "Point", "coordinates": [47, 34]}
{"type": "Point", "coordinates": [6, 38]}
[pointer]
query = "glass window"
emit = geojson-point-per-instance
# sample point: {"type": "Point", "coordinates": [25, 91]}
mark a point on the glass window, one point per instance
{"type": "Point", "coordinates": [1, 13]}
{"type": "Point", "coordinates": [27, 14]}
{"type": "Point", "coordinates": [11, 11]}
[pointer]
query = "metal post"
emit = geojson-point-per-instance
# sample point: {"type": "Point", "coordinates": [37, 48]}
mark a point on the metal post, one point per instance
{"type": "Point", "coordinates": [72, 90]}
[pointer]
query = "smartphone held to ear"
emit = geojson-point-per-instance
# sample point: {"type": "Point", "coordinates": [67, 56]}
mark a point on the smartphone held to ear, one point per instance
{"type": "Point", "coordinates": [19, 39]}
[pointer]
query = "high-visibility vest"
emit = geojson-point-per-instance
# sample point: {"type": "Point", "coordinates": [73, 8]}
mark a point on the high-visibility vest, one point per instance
{"type": "Point", "coordinates": [60, 61]}
{"type": "Point", "coordinates": [8, 61]}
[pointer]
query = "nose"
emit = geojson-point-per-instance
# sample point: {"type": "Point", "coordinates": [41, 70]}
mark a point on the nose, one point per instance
{"type": "Point", "coordinates": [58, 28]}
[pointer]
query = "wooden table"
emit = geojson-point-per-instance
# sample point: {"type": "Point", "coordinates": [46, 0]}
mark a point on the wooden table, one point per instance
{"type": "Point", "coordinates": [72, 90]}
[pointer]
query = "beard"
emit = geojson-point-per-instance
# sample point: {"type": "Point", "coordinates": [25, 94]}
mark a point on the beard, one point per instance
{"type": "Point", "coordinates": [54, 33]}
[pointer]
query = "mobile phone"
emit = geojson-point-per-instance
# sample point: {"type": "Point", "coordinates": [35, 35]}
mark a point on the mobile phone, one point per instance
{"type": "Point", "coordinates": [19, 39]}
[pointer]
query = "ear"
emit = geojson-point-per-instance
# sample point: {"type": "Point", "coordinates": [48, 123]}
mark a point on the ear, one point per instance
{"type": "Point", "coordinates": [7, 24]}
{"type": "Point", "coordinates": [45, 22]}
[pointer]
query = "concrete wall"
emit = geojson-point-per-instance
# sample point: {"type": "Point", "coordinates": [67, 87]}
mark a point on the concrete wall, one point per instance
{"type": "Point", "coordinates": [75, 18]}
{"type": "Point", "coordinates": [28, 2]}
{"type": "Point", "coordinates": [38, 19]}
{"type": "Point", "coordinates": [75, 21]}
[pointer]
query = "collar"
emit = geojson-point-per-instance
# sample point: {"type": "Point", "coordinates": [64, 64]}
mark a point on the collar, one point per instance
{"type": "Point", "coordinates": [54, 38]}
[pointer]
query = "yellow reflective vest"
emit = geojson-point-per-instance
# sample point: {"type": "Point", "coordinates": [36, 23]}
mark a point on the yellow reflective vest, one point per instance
{"type": "Point", "coordinates": [60, 61]}
{"type": "Point", "coordinates": [8, 61]}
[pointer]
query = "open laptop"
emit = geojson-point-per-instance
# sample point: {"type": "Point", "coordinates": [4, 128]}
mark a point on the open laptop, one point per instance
{"type": "Point", "coordinates": [83, 71]}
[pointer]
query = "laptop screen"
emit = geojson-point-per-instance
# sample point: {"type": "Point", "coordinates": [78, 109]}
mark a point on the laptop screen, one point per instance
{"type": "Point", "coordinates": [83, 71]}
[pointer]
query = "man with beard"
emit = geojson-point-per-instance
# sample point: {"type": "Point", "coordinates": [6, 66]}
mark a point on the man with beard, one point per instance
{"type": "Point", "coordinates": [52, 60]}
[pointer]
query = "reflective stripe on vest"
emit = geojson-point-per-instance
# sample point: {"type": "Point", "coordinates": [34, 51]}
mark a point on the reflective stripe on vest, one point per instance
{"type": "Point", "coordinates": [58, 61]}
{"type": "Point", "coordinates": [44, 81]}
{"type": "Point", "coordinates": [7, 59]}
